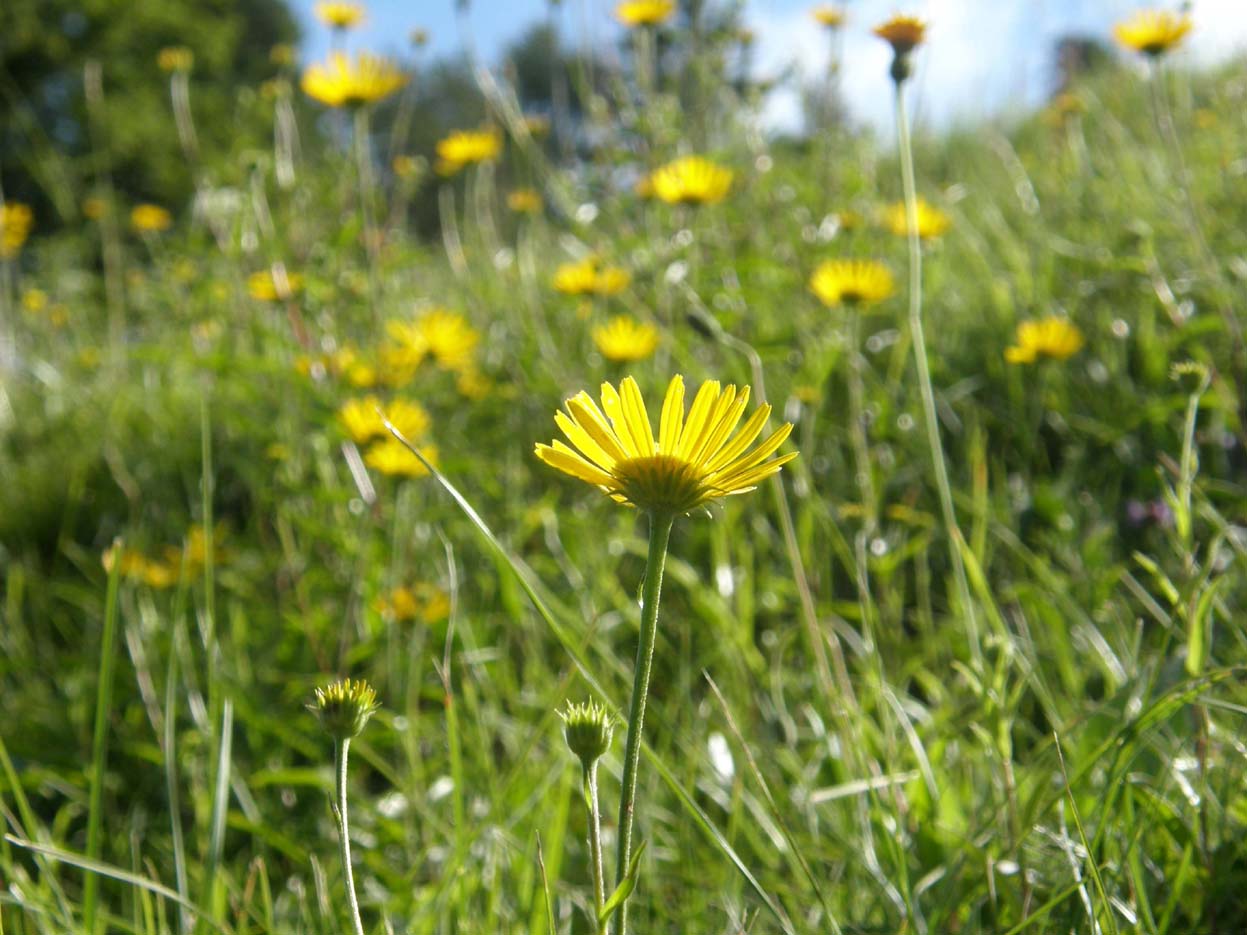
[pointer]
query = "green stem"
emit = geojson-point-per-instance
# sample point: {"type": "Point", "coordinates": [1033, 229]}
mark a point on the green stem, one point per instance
{"type": "Point", "coordinates": [590, 778]}
{"type": "Point", "coordinates": [344, 837]}
{"type": "Point", "coordinates": [363, 164]}
{"type": "Point", "coordinates": [955, 538]}
{"type": "Point", "coordinates": [659, 536]}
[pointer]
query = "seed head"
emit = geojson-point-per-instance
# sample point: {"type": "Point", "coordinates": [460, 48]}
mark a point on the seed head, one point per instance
{"type": "Point", "coordinates": [587, 728]}
{"type": "Point", "coordinates": [345, 707]}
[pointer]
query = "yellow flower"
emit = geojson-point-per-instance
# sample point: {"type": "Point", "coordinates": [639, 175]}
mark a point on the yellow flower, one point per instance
{"type": "Point", "coordinates": [195, 551]}
{"type": "Point", "coordinates": [424, 602]}
{"type": "Point", "coordinates": [407, 167]}
{"type": "Point", "coordinates": [1054, 337]}
{"type": "Point", "coordinates": [175, 58]}
{"type": "Point", "coordinates": [692, 462]}
{"type": "Point", "coordinates": [341, 82]}
{"type": "Point", "coordinates": [446, 336]}
{"type": "Point", "coordinates": [473, 384]}
{"type": "Point", "coordinates": [932, 222]}
{"type": "Point", "coordinates": [588, 278]}
{"type": "Point", "coordinates": [362, 421]}
{"type": "Point", "coordinates": [150, 219]}
{"type": "Point", "coordinates": [94, 208]}
{"type": "Point", "coordinates": [34, 301]}
{"type": "Point", "coordinates": [524, 201]}
{"type": "Point", "coordinates": [1152, 32]}
{"type": "Point", "coordinates": [633, 13]}
{"type": "Point", "coordinates": [625, 339]}
{"type": "Point", "coordinates": [392, 457]}
{"type": "Point", "coordinates": [339, 15]}
{"type": "Point", "coordinates": [16, 219]}
{"type": "Point", "coordinates": [903, 33]}
{"type": "Point", "coordinates": [692, 180]}
{"type": "Point", "coordinates": [827, 15]}
{"type": "Point", "coordinates": [264, 287]}
{"type": "Point", "coordinates": [852, 282]}
{"type": "Point", "coordinates": [466, 147]}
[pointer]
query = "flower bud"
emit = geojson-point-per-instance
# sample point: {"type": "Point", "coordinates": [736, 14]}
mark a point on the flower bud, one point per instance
{"type": "Point", "coordinates": [345, 707]}
{"type": "Point", "coordinates": [587, 728]}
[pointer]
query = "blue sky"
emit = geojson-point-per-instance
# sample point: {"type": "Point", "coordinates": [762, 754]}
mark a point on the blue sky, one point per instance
{"type": "Point", "coordinates": [983, 56]}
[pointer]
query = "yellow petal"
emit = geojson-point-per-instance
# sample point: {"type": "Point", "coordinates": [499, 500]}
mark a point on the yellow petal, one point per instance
{"type": "Point", "coordinates": [703, 402]}
{"type": "Point", "coordinates": [736, 447]}
{"type": "Point", "coordinates": [638, 418]}
{"type": "Point", "coordinates": [561, 457]}
{"type": "Point", "coordinates": [672, 416]}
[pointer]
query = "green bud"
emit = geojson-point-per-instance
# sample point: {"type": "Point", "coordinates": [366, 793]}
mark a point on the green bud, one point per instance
{"type": "Point", "coordinates": [345, 707]}
{"type": "Point", "coordinates": [587, 728]}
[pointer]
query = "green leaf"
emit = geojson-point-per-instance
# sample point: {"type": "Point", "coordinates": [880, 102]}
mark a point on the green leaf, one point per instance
{"type": "Point", "coordinates": [625, 887]}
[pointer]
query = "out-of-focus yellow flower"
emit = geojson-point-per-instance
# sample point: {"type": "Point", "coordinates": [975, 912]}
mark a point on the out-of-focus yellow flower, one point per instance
{"type": "Point", "coordinates": [175, 58]}
{"type": "Point", "coordinates": [341, 82]}
{"type": "Point", "coordinates": [524, 201]}
{"type": "Point", "coordinates": [932, 222]}
{"type": "Point", "coordinates": [362, 420]}
{"type": "Point", "coordinates": [407, 168]}
{"type": "Point", "coordinates": [391, 457]}
{"type": "Point", "coordinates": [807, 394]}
{"type": "Point", "coordinates": [16, 220]}
{"type": "Point", "coordinates": [338, 15]}
{"type": "Point", "coordinates": [193, 554]}
{"type": "Point", "coordinates": [426, 603]}
{"type": "Point", "coordinates": [263, 286]}
{"type": "Point", "coordinates": [281, 55]}
{"type": "Point", "coordinates": [858, 283]}
{"type": "Point", "coordinates": [1064, 108]}
{"type": "Point", "coordinates": [827, 15]}
{"type": "Point", "coordinates": [150, 219]}
{"type": "Point", "coordinates": [135, 566]}
{"type": "Point", "coordinates": [692, 180]}
{"type": "Point", "coordinates": [444, 335]}
{"type": "Point", "coordinates": [277, 451]}
{"type": "Point", "coordinates": [1152, 32]}
{"type": "Point", "coordinates": [184, 271]}
{"type": "Point", "coordinates": [94, 208]}
{"type": "Point", "coordinates": [643, 187]}
{"type": "Point", "coordinates": [587, 277]}
{"type": "Point", "coordinates": [623, 339]}
{"type": "Point", "coordinates": [694, 459]}
{"type": "Point", "coordinates": [1054, 336]}
{"type": "Point", "coordinates": [467, 147]}
{"type": "Point", "coordinates": [903, 33]}
{"type": "Point", "coordinates": [634, 13]}
{"type": "Point", "coordinates": [34, 301]}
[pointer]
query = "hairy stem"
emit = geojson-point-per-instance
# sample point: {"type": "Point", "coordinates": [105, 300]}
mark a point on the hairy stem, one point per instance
{"type": "Point", "coordinates": [344, 838]}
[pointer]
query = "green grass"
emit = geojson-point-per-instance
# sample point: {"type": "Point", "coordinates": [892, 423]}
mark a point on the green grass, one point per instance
{"type": "Point", "coordinates": [159, 771]}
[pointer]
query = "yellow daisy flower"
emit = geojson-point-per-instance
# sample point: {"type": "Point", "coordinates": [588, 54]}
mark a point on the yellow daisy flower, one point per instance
{"type": "Point", "coordinates": [624, 339]}
{"type": "Point", "coordinates": [903, 33]}
{"type": "Point", "coordinates": [392, 458]}
{"type": "Point", "coordinates": [692, 180]}
{"type": "Point", "coordinates": [827, 15]}
{"type": "Point", "coordinates": [424, 602]}
{"type": "Point", "coordinates": [695, 459]}
{"type": "Point", "coordinates": [932, 222]}
{"type": "Point", "coordinates": [852, 282]}
{"type": "Point", "coordinates": [16, 220]}
{"type": "Point", "coordinates": [1152, 32]}
{"type": "Point", "coordinates": [341, 82]}
{"type": "Point", "coordinates": [467, 147]}
{"type": "Point", "coordinates": [337, 15]}
{"type": "Point", "coordinates": [524, 201]}
{"type": "Point", "coordinates": [175, 58]}
{"type": "Point", "coordinates": [634, 13]}
{"type": "Point", "coordinates": [588, 278]}
{"type": "Point", "coordinates": [1054, 337]}
{"type": "Point", "coordinates": [263, 287]}
{"type": "Point", "coordinates": [150, 219]}
{"type": "Point", "coordinates": [362, 421]}
{"type": "Point", "coordinates": [449, 338]}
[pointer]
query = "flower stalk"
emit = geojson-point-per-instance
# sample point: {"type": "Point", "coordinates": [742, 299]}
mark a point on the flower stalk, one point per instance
{"type": "Point", "coordinates": [341, 748]}
{"type": "Point", "coordinates": [955, 539]}
{"type": "Point", "coordinates": [659, 537]}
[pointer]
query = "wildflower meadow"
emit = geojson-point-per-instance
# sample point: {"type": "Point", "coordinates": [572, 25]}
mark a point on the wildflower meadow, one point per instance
{"type": "Point", "coordinates": [451, 490]}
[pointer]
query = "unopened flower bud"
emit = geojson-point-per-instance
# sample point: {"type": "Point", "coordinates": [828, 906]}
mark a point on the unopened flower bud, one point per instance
{"type": "Point", "coordinates": [345, 707]}
{"type": "Point", "coordinates": [587, 728]}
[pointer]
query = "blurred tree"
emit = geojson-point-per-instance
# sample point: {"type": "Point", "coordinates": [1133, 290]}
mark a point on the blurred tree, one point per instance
{"type": "Point", "coordinates": [50, 149]}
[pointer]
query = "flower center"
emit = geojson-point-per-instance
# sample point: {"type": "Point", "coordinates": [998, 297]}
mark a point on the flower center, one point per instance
{"type": "Point", "coordinates": [661, 483]}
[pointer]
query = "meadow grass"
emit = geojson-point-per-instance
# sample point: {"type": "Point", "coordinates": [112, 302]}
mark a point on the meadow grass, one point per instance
{"type": "Point", "coordinates": [851, 727]}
